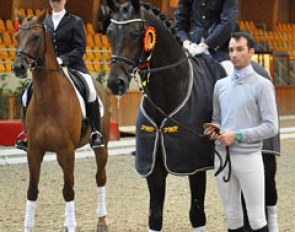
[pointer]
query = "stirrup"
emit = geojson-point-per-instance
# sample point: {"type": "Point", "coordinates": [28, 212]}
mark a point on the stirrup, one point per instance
{"type": "Point", "coordinates": [96, 140]}
{"type": "Point", "coordinates": [21, 141]}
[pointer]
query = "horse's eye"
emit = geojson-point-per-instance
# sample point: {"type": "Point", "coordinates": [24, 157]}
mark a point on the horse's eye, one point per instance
{"type": "Point", "coordinates": [35, 37]}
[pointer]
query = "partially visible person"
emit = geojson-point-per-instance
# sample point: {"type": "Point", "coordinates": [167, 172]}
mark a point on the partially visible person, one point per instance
{"type": "Point", "coordinates": [104, 17]}
{"type": "Point", "coordinates": [206, 25]}
{"type": "Point", "coordinates": [69, 40]}
{"type": "Point", "coordinates": [270, 150]}
{"type": "Point", "coordinates": [244, 108]}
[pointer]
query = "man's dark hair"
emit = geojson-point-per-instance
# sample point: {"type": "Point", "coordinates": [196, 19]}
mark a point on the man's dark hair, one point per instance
{"type": "Point", "coordinates": [243, 34]}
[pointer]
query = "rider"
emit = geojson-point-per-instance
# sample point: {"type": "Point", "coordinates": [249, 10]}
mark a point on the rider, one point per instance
{"type": "Point", "coordinates": [206, 25]}
{"type": "Point", "coordinates": [69, 42]}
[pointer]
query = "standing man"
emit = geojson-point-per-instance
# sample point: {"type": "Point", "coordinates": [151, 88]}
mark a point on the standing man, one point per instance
{"type": "Point", "coordinates": [69, 41]}
{"type": "Point", "coordinates": [244, 108]}
{"type": "Point", "coordinates": [206, 25]}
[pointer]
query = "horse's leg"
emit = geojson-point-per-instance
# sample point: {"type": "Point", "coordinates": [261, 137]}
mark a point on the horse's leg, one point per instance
{"type": "Point", "coordinates": [35, 159]}
{"type": "Point", "coordinates": [66, 159]}
{"type": "Point", "coordinates": [197, 210]}
{"type": "Point", "coordinates": [271, 196]}
{"type": "Point", "coordinates": [101, 155]}
{"type": "Point", "coordinates": [157, 188]}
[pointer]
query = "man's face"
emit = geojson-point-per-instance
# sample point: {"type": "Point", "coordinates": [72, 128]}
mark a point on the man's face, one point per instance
{"type": "Point", "coordinates": [239, 53]}
{"type": "Point", "coordinates": [57, 5]}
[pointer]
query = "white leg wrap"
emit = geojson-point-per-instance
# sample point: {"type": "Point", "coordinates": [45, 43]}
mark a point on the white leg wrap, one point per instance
{"type": "Point", "coordinates": [154, 230]}
{"type": "Point", "coordinates": [30, 215]}
{"type": "Point", "coordinates": [70, 216]}
{"type": "Point", "coordinates": [272, 218]}
{"type": "Point", "coordinates": [101, 202]}
{"type": "Point", "coordinates": [199, 229]}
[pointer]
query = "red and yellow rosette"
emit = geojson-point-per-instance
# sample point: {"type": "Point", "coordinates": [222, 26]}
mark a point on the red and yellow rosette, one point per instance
{"type": "Point", "coordinates": [149, 40]}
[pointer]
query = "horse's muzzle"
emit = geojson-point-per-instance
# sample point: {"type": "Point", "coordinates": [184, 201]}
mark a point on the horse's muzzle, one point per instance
{"type": "Point", "coordinates": [20, 69]}
{"type": "Point", "coordinates": [118, 86]}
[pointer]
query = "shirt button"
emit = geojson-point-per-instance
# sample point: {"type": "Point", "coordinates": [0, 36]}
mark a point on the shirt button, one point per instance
{"type": "Point", "coordinates": [203, 4]}
{"type": "Point", "coordinates": [204, 17]}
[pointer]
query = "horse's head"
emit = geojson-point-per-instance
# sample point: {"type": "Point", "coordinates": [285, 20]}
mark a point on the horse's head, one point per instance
{"type": "Point", "coordinates": [126, 34]}
{"type": "Point", "coordinates": [29, 42]}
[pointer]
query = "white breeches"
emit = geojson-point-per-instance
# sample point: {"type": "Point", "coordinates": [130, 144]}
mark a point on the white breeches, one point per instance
{"type": "Point", "coordinates": [247, 176]}
{"type": "Point", "coordinates": [92, 91]}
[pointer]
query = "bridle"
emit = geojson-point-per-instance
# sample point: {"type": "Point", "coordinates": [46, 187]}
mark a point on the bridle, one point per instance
{"type": "Point", "coordinates": [34, 63]}
{"type": "Point", "coordinates": [141, 64]}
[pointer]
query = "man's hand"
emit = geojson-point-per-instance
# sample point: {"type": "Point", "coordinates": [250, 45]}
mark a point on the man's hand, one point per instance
{"type": "Point", "coordinates": [227, 137]}
{"type": "Point", "coordinates": [211, 132]}
{"type": "Point", "coordinates": [194, 48]}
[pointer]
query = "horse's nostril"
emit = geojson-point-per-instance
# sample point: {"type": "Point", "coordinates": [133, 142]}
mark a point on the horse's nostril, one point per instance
{"type": "Point", "coordinates": [120, 83]}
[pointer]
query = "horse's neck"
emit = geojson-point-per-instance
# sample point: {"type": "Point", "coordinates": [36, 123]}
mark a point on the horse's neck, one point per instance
{"type": "Point", "coordinates": [168, 88]}
{"type": "Point", "coordinates": [48, 78]}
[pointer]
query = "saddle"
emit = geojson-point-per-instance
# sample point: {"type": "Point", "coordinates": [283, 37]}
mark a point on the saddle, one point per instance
{"type": "Point", "coordinates": [79, 82]}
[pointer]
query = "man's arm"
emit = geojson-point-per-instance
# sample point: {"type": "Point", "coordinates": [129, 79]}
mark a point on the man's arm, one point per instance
{"type": "Point", "coordinates": [222, 32]}
{"type": "Point", "coordinates": [183, 19]}
{"type": "Point", "coordinates": [269, 115]}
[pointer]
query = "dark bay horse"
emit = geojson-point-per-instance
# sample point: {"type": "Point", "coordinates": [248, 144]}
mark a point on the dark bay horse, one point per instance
{"type": "Point", "coordinates": [177, 101]}
{"type": "Point", "coordinates": [54, 120]}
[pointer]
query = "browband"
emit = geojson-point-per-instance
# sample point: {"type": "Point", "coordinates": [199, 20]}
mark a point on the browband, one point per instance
{"type": "Point", "coordinates": [127, 21]}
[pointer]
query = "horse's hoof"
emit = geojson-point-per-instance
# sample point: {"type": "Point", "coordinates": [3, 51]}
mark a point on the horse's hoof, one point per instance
{"type": "Point", "coordinates": [102, 228]}
{"type": "Point", "coordinates": [26, 229]}
{"type": "Point", "coordinates": [72, 230]}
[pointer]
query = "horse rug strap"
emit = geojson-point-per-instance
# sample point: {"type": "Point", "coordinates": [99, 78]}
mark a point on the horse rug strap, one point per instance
{"type": "Point", "coordinates": [183, 152]}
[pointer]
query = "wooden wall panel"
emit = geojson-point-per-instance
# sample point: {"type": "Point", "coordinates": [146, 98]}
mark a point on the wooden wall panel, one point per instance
{"type": "Point", "coordinates": [128, 108]}
{"type": "Point", "coordinates": [126, 114]}
{"type": "Point", "coordinates": [6, 9]}
{"type": "Point", "coordinates": [87, 9]}
{"type": "Point", "coordinates": [291, 11]}
{"type": "Point", "coordinates": [286, 99]}
{"type": "Point", "coordinates": [266, 11]}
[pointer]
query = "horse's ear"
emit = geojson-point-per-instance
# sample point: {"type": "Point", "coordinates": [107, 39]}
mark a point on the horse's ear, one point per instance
{"type": "Point", "coordinates": [19, 16]}
{"type": "Point", "coordinates": [42, 16]}
{"type": "Point", "coordinates": [136, 5]}
{"type": "Point", "coordinates": [113, 5]}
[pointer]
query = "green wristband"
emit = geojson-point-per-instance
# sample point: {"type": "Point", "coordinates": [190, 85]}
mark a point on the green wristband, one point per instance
{"type": "Point", "coordinates": [239, 136]}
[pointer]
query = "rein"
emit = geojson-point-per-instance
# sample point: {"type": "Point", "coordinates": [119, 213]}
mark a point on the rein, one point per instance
{"type": "Point", "coordinates": [34, 63]}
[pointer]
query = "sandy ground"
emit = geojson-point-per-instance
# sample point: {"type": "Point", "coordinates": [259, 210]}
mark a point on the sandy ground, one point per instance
{"type": "Point", "coordinates": [127, 197]}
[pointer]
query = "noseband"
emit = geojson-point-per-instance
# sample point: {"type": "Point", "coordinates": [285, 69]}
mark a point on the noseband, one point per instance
{"type": "Point", "coordinates": [34, 57]}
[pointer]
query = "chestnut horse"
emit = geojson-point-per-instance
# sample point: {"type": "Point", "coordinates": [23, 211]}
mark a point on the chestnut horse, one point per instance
{"type": "Point", "coordinates": [54, 120]}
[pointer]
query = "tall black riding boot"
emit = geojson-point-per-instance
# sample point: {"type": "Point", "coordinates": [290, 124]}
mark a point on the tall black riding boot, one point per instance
{"type": "Point", "coordinates": [93, 114]}
{"type": "Point", "coordinates": [21, 139]}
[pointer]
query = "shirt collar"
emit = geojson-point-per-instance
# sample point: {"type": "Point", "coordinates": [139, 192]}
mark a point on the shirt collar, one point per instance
{"type": "Point", "coordinates": [240, 73]}
{"type": "Point", "coordinates": [59, 14]}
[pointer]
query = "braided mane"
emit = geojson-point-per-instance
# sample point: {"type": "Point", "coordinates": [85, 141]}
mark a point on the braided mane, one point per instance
{"type": "Point", "coordinates": [157, 12]}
